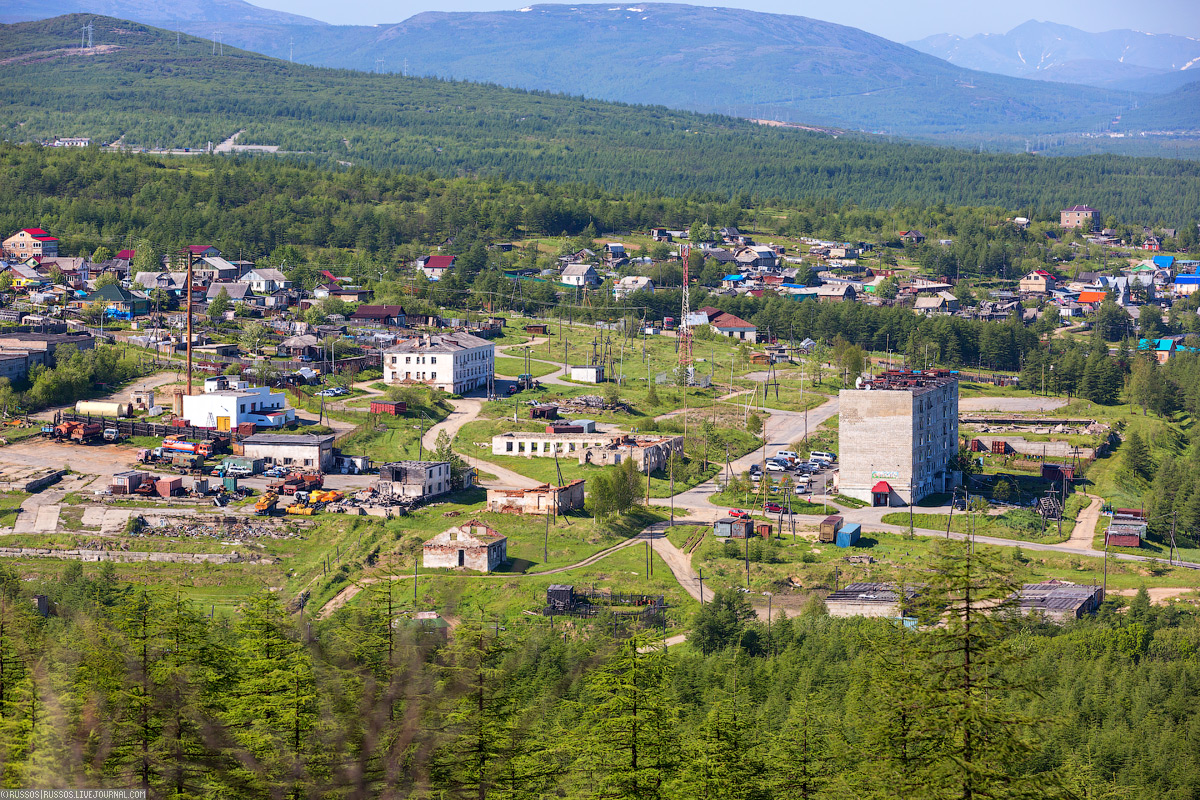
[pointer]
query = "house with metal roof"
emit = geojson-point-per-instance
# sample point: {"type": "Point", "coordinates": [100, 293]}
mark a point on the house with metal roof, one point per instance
{"type": "Point", "coordinates": [580, 275]}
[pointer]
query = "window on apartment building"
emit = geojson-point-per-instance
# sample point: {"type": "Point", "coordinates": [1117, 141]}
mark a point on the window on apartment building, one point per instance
{"type": "Point", "coordinates": [508, 447]}
{"type": "Point", "coordinates": [433, 376]}
{"type": "Point", "coordinates": [408, 359]}
{"type": "Point", "coordinates": [433, 359]}
{"type": "Point", "coordinates": [308, 462]}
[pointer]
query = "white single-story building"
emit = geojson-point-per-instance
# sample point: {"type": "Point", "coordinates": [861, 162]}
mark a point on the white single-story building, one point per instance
{"type": "Point", "coordinates": [308, 451]}
{"type": "Point", "coordinates": [227, 403]}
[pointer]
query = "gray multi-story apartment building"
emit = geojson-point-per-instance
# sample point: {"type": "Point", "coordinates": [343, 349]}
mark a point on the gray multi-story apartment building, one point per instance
{"type": "Point", "coordinates": [897, 435]}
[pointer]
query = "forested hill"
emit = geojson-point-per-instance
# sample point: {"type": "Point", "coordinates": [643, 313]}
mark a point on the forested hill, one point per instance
{"type": "Point", "coordinates": [139, 86]}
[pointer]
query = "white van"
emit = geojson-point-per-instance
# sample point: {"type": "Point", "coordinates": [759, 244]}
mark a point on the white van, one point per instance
{"type": "Point", "coordinates": [788, 455]}
{"type": "Point", "coordinates": [822, 455]}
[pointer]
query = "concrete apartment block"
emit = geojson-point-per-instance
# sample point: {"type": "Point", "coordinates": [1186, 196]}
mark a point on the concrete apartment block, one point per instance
{"type": "Point", "coordinates": [897, 434]}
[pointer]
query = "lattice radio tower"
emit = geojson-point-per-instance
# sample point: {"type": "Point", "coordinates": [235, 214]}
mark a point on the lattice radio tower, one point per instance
{"type": "Point", "coordinates": [685, 332]}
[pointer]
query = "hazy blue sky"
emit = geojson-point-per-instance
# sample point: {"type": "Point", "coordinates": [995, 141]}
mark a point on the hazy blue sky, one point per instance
{"type": "Point", "coordinates": [900, 21]}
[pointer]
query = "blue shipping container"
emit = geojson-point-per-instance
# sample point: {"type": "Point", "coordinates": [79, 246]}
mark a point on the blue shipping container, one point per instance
{"type": "Point", "coordinates": [848, 535]}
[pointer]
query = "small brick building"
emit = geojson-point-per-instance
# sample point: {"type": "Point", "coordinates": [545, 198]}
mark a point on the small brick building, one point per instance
{"type": "Point", "coordinates": [472, 545]}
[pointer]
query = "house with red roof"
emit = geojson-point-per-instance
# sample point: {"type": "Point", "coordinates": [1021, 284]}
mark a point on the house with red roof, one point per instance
{"type": "Point", "coordinates": [31, 242]}
{"type": "Point", "coordinates": [1038, 282]}
{"type": "Point", "coordinates": [125, 255]}
{"type": "Point", "coordinates": [734, 327]}
{"type": "Point", "coordinates": [434, 267]}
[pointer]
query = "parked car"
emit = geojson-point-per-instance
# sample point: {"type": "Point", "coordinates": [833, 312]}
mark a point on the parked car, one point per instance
{"type": "Point", "coordinates": [772, 508]}
{"type": "Point", "coordinates": [776, 466]}
{"type": "Point", "coordinates": [803, 488]}
{"type": "Point", "coordinates": [822, 455]}
{"type": "Point", "coordinates": [738, 513]}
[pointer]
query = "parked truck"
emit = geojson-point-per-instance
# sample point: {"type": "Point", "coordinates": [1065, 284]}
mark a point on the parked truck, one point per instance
{"type": "Point", "coordinates": [186, 461]}
{"type": "Point", "coordinates": [112, 435]}
{"type": "Point", "coordinates": [203, 449]}
{"type": "Point", "coordinates": [79, 432]}
{"type": "Point", "coordinates": [297, 481]}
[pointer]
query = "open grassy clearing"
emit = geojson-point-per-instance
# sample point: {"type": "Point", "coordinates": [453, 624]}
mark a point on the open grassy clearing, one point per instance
{"type": "Point", "coordinates": [804, 565]}
{"type": "Point", "coordinates": [1022, 524]}
{"type": "Point", "coordinates": [512, 367]}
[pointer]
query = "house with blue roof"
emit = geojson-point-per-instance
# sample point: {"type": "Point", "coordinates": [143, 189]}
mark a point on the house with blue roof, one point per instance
{"type": "Point", "coordinates": [1163, 262]}
{"type": "Point", "coordinates": [733, 281]}
{"type": "Point", "coordinates": [1186, 284]}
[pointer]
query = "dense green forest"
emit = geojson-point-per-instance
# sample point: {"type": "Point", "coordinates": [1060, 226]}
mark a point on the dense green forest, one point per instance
{"type": "Point", "coordinates": [125, 686]}
{"type": "Point", "coordinates": [151, 92]}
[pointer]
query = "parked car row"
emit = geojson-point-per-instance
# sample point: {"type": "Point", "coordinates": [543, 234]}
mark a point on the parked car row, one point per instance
{"type": "Point", "coordinates": [333, 391]}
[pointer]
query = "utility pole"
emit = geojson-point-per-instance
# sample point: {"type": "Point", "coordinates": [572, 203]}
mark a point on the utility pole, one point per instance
{"type": "Point", "coordinates": [546, 542]}
{"type": "Point", "coordinates": [190, 257]}
{"type": "Point", "coordinates": [1171, 559]}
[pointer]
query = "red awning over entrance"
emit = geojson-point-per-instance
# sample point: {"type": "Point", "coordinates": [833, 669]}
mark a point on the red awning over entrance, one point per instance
{"type": "Point", "coordinates": [882, 488]}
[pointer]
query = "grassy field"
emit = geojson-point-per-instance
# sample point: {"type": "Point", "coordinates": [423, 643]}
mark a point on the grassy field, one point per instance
{"type": "Point", "coordinates": [806, 566]}
{"type": "Point", "coordinates": [512, 367]}
{"type": "Point", "coordinates": [1021, 524]}
{"type": "Point", "coordinates": [10, 503]}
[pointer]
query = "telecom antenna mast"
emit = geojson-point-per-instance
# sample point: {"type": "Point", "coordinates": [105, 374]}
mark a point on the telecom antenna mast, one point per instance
{"type": "Point", "coordinates": [685, 333]}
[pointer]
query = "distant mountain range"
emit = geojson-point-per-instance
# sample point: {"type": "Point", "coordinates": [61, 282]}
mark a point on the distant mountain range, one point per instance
{"type": "Point", "coordinates": [169, 15]}
{"type": "Point", "coordinates": [742, 63]}
{"type": "Point", "coordinates": [1120, 59]}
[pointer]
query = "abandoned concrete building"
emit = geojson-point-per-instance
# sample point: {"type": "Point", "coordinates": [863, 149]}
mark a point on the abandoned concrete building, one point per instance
{"type": "Point", "coordinates": [539, 499]}
{"type": "Point", "coordinates": [414, 479]}
{"type": "Point", "coordinates": [649, 453]}
{"type": "Point", "coordinates": [898, 436]}
{"type": "Point", "coordinates": [1058, 600]}
{"type": "Point", "coordinates": [472, 545]}
{"type": "Point", "coordinates": [870, 600]}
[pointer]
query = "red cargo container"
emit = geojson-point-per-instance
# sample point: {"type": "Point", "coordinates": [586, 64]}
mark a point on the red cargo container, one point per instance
{"type": "Point", "coordinates": [1124, 540]}
{"type": "Point", "coordinates": [246, 429]}
{"type": "Point", "coordinates": [392, 408]}
{"type": "Point", "coordinates": [168, 487]}
{"type": "Point", "coordinates": [179, 423]}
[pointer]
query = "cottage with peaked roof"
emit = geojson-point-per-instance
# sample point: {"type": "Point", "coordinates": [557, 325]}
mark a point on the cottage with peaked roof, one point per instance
{"type": "Point", "coordinates": [266, 281]}
{"type": "Point", "coordinates": [434, 267]}
{"type": "Point", "coordinates": [632, 283]}
{"type": "Point", "coordinates": [1037, 282]}
{"type": "Point", "coordinates": [912, 237]}
{"type": "Point", "coordinates": [238, 293]}
{"type": "Point", "coordinates": [836, 292]}
{"type": "Point", "coordinates": [24, 276]}
{"type": "Point", "coordinates": [580, 275]}
{"type": "Point", "coordinates": [173, 282]}
{"type": "Point", "coordinates": [472, 545]}
{"type": "Point", "coordinates": [734, 327]}
{"type": "Point", "coordinates": [383, 315]}
{"type": "Point", "coordinates": [121, 303]}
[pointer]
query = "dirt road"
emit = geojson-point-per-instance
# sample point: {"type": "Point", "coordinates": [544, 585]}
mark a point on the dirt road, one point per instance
{"type": "Point", "coordinates": [465, 410]}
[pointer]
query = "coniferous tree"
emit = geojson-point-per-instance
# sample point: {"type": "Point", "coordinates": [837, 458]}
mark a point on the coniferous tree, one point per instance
{"type": "Point", "coordinates": [626, 745]}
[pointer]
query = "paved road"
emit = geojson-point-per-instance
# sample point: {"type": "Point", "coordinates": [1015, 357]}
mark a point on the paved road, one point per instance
{"type": "Point", "coordinates": [783, 428]}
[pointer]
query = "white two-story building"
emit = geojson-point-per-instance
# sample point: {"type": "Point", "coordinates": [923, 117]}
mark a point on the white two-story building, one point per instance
{"type": "Point", "coordinates": [455, 362]}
